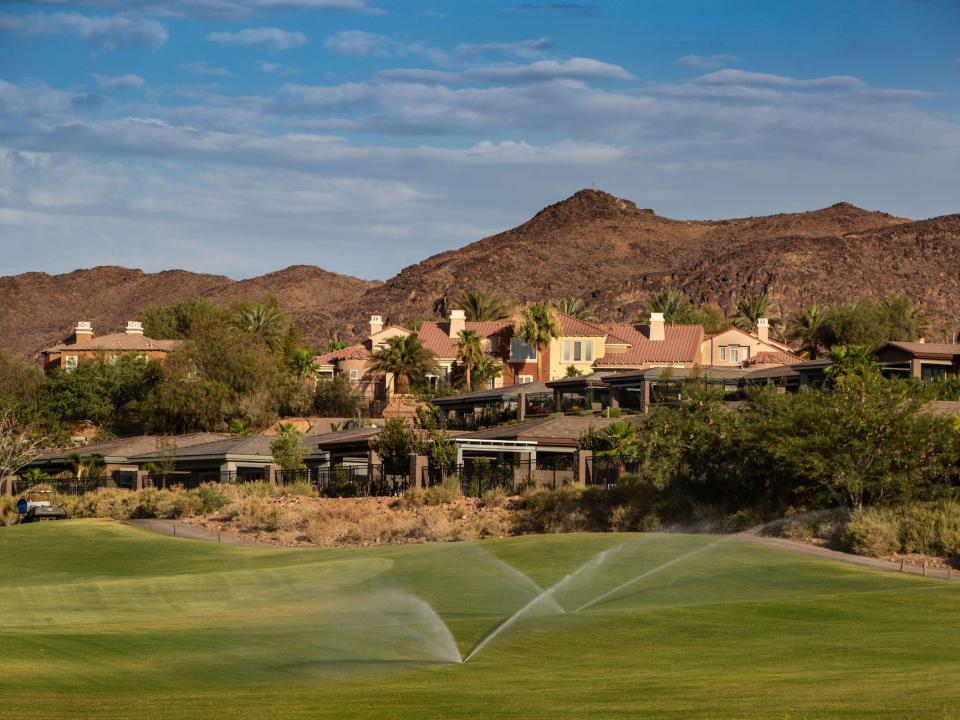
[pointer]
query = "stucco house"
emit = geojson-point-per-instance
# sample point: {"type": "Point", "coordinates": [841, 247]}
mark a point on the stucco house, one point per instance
{"type": "Point", "coordinates": [84, 345]}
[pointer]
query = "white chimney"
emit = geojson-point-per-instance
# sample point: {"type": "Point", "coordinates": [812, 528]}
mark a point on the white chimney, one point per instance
{"type": "Point", "coordinates": [83, 332]}
{"type": "Point", "coordinates": [376, 324]}
{"type": "Point", "coordinates": [458, 322]}
{"type": "Point", "coordinates": [134, 327]}
{"type": "Point", "coordinates": [763, 329]}
{"type": "Point", "coordinates": [656, 327]}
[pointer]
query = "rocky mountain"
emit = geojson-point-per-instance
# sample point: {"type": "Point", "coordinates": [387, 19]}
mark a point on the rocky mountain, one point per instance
{"type": "Point", "coordinates": [592, 245]}
{"type": "Point", "coordinates": [612, 254]}
{"type": "Point", "coordinates": [38, 310]}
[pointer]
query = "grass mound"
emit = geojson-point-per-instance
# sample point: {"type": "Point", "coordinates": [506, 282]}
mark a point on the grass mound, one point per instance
{"type": "Point", "coordinates": [104, 621]}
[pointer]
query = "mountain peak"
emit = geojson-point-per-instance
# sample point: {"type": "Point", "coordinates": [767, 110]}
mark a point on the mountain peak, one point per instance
{"type": "Point", "coordinates": [587, 204]}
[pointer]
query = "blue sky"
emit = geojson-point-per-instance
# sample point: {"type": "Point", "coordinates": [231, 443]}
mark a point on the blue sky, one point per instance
{"type": "Point", "coordinates": [242, 136]}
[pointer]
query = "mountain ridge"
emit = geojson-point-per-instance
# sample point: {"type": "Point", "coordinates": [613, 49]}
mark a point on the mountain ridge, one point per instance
{"type": "Point", "coordinates": [593, 245]}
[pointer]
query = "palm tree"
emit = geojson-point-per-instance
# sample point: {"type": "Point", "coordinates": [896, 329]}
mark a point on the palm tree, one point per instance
{"type": "Point", "coordinates": [334, 345]}
{"type": "Point", "coordinates": [574, 307]}
{"type": "Point", "coordinates": [807, 328]}
{"type": "Point", "coordinates": [35, 476]}
{"type": "Point", "coordinates": [302, 363]}
{"type": "Point", "coordinates": [486, 369]}
{"type": "Point", "coordinates": [482, 305]}
{"type": "Point", "coordinates": [675, 306]}
{"type": "Point", "coordinates": [469, 351]}
{"type": "Point", "coordinates": [850, 361]}
{"type": "Point", "coordinates": [262, 320]}
{"type": "Point", "coordinates": [620, 439]}
{"type": "Point", "coordinates": [405, 358]}
{"type": "Point", "coordinates": [537, 327]}
{"type": "Point", "coordinates": [750, 308]}
{"type": "Point", "coordinates": [907, 320]}
{"type": "Point", "coordinates": [85, 466]}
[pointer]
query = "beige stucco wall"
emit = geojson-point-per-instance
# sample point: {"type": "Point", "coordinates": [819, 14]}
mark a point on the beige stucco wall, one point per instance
{"type": "Point", "coordinates": [558, 366]}
{"type": "Point", "coordinates": [710, 348]}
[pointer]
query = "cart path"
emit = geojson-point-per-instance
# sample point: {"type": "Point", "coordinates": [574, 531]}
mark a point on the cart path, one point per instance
{"type": "Point", "coordinates": [180, 529]}
{"type": "Point", "coordinates": [827, 554]}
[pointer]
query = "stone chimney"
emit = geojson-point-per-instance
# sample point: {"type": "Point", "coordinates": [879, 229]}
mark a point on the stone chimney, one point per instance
{"type": "Point", "coordinates": [657, 333]}
{"type": "Point", "coordinates": [134, 327]}
{"type": "Point", "coordinates": [376, 324]}
{"type": "Point", "coordinates": [83, 332]}
{"type": "Point", "coordinates": [763, 329]}
{"type": "Point", "coordinates": [458, 322]}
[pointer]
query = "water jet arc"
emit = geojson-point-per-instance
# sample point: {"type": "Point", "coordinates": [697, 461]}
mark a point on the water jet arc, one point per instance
{"type": "Point", "coordinates": [546, 594]}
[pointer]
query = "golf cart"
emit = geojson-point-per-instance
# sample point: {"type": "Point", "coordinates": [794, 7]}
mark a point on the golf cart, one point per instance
{"type": "Point", "coordinates": [38, 507]}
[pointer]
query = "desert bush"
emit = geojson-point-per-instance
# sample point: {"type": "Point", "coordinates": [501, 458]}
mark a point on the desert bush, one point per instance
{"type": "Point", "coordinates": [557, 510]}
{"type": "Point", "coordinates": [872, 532]}
{"type": "Point", "coordinates": [930, 528]}
{"type": "Point", "coordinates": [743, 520]}
{"type": "Point", "coordinates": [8, 510]}
{"type": "Point", "coordinates": [212, 497]}
{"type": "Point", "coordinates": [254, 514]}
{"type": "Point", "coordinates": [495, 497]}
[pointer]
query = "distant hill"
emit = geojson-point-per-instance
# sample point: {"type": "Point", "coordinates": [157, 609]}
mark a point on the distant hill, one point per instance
{"type": "Point", "coordinates": [592, 245]}
{"type": "Point", "coordinates": [38, 310]}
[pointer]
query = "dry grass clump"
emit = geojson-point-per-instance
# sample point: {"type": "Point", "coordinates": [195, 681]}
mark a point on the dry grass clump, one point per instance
{"type": "Point", "coordinates": [447, 492]}
{"type": "Point", "coordinates": [8, 511]}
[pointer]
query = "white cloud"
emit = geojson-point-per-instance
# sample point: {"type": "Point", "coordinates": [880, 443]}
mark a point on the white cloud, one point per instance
{"type": "Point", "coordinates": [107, 32]}
{"type": "Point", "coordinates": [268, 36]}
{"type": "Point", "coordinates": [744, 77]}
{"type": "Point", "coordinates": [201, 67]}
{"type": "Point", "coordinates": [219, 8]}
{"type": "Point", "coordinates": [360, 43]}
{"type": "Point", "coordinates": [118, 82]}
{"type": "Point", "coordinates": [576, 68]}
{"type": "Point", "coordinates": [706, 61]}
{"type": "Point", "coordinates": [526, 49]}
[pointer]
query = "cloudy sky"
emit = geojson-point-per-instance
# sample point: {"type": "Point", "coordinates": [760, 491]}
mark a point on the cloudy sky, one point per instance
{"type": "Point", "coordinates": [242, 136]}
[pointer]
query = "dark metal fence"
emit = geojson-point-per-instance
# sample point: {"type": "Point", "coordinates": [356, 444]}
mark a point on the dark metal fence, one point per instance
{"type": "Point", "coordinates": [349, 480]}
{"type": "Point", "coordinates": [477, 475]}
{"type": "Point", "coordinates": [64, 486]}
{"type": "Point", "coordinates": [606, 471]}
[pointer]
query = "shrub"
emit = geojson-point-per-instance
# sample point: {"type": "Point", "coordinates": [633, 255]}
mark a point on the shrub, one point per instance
{"type": "Point", "coordinates": [8, 510]}
{"type": "Point", "coordinates": [871, 532]}
{"type": "Point", "coordinates": [494, 497]}
{"type": "Point", "coordinates": [254, 514]}
{"type": "Point", "coordinates": [212, 497]}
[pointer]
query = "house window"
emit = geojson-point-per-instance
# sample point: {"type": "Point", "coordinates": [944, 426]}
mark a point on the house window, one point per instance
{"type": "Point", "coordinates": [723, 352]}
{"type": "Point", "coordinates": [588, 355]}
{"type": "Point", "coordinates": [524, 379]}
{"type": "Point", "coordinates": [521, 351]}
{"type": "Point", "coordinates": [746, 352]}
{"type": "Point", "coordinates": [734, 354]}
{"type": "Point", "coordinates": [70, 363]}
{"type": "Point", "coordinates": [566, 351]}
{"type": "Point", "coordinates": [354, 375]}
{"type": "Point", "coordinates": [577, 351]}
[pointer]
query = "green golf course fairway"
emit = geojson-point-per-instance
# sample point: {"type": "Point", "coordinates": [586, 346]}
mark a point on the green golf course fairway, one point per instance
{"type": "Point", "coordinates": [100, 620]}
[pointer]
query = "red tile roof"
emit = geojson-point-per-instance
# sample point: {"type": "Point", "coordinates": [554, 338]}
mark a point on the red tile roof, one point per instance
{"type": "Point", "coordinates": [360, 351]}
{"type": "Point", "coordinates": [118, 341]}
{"type": "Point", "coordinates": [435, 336]}
{"type": "Point", "coordinates": [681, 343]}
{"type": "Point", "coordinates": [779, 357]}
{"type": "Point", "coordinates": [574, 327]}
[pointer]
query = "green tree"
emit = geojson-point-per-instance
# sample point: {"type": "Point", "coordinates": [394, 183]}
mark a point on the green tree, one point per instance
{"type": "Point", "coordinates": [906, 320]}
{"type": "Point", "coordinates": [185, 405]}
{"type": "Point", "coordinates": [394, 445]}
{"type": "Point", "coordinates": [302, 363]}
{"type": "Point", "coordinates": [849, 361]}
{"type": "Point", "coordinates": [750, 308]}
{"type": "Point", "coordinates": [807, 328]}
{"type": "Point", "coordinates": [406, 359]}
{"type": "Point", "coordinates": [336, 397]}
{"type": "Point", "coordinates": [440, 449]}
{"type": "Point", "coordinates": [20, 443]}
{"type": "Point", "coordinates": [85, 466]}
{"type": "Point", "coordinates": [263, 320]}
{"type": "Point", "coordinates": [20, 382]}
{"type": "Point", "coordinates": [288, 449]}
{"type": "Point", "coordinates": [469, 352]}
{"type": "Point", "coordinates": [176, 320]}
{"type": "Point", "coordinates": [574, 307]}
{"type": "Point", "coordinates": [572, 371]}
{"type": "Point", "coordinates": [675, 306]}
{"type": "Point", "coordinates": [485, 370]}
{"type": "Point", "coordinates": [482, 305]}
{"type": "Point", "coordinates": [537, 327]}
{"type": "Point", "coordinates": [334, 345]}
